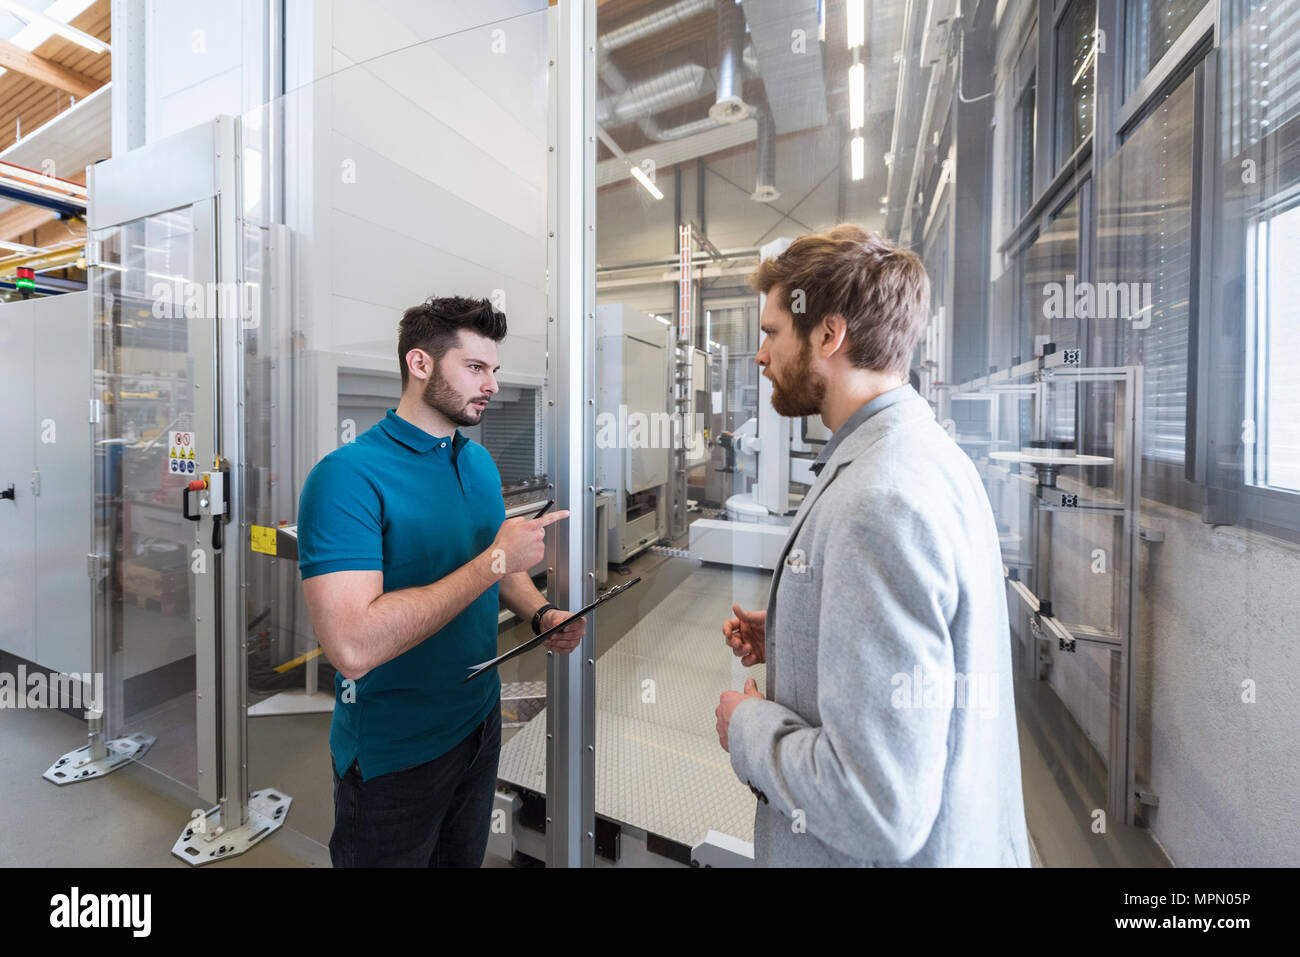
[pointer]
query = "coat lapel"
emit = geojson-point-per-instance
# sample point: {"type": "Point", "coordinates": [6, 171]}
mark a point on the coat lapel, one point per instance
{"type": "Point", "coordinates": [823, 481]}
{"type": "Point", "coordinates": [852, 446]}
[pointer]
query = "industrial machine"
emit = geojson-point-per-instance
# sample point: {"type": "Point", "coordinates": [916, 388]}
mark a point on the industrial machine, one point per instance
{"type": "Point", "coordinates": [634, 428]}
{"type": "Point", "coordinates": [776, 451]}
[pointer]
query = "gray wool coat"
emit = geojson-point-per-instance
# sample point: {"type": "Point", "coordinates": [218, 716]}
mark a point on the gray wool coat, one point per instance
{"type": "Point", "coordinates": [888, 733]}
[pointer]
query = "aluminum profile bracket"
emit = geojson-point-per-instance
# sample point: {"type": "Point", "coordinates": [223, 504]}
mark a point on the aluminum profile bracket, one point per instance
{"type": "Point", "coordinates": [78, 765]}
{"type": "Point", "coordinates": [204, 840]}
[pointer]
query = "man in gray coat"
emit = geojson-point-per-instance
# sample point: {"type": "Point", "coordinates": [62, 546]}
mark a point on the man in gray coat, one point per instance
{"type": "Point", "coordinates": [887, 735]}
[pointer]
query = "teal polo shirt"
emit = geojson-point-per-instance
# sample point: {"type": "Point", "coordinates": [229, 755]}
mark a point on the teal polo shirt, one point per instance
{"type": "Point", "coordinates": [416, 507]}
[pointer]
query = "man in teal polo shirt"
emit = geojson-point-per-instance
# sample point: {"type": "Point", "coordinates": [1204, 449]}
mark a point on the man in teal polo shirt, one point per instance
{"type": "Point", "coordinates": [405, 557]}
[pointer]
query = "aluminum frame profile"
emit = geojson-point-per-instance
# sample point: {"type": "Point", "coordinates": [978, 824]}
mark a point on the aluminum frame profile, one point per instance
{"type": "Point", "coordinates": [232, 660]}
{"type": "Point", "coordinates": [570, 412]}
{"type": "Point", "coordinates": [1121, 770]}
{"type": "Point", "coordinates": [213, 190]}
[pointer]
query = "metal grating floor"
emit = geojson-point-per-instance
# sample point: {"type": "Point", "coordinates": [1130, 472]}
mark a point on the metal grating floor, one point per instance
{"type": "Point", "coordinates": [658, 763]}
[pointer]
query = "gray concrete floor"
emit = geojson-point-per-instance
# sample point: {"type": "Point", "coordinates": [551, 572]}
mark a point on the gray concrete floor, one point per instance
{"type": "Point", "coordinates": [132, 817]}
{"type": "Point", "coordinates": [116, 821]}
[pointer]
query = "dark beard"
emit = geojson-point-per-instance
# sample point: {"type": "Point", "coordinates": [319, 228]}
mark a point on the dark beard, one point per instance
{"type": "Point", "coordinates": [804, 393]}
{"type": "Point", "coordinates": [441, 397]}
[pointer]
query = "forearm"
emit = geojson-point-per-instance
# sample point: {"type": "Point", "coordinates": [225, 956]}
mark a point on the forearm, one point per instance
{"type": "Point", "coordinates": [397, 621]}
{"type": "Point", "coordinates": [520, 595]}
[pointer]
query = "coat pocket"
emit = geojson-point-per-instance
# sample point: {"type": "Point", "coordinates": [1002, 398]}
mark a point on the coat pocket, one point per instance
{"type": "Point", "coordinates": [798, 569]}
{"type": "Point", "coordinates": [798, 609]}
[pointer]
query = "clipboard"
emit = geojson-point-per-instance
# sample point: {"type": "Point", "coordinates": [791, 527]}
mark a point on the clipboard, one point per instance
{"type": "Point", "coordinates": [485, 666]}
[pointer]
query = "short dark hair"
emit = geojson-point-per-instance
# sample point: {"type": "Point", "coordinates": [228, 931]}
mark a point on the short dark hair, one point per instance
{"type": "Point", "coordinates": [880, 289]}
{"type": "Point", "coordinates": [434, 326]}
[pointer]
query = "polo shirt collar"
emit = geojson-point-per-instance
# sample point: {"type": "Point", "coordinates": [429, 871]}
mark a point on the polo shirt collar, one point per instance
{"type": "Point", "coordinates": [412, 436]}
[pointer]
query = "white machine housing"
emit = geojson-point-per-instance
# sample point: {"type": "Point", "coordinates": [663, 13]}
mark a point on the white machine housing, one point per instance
{"type": "Point", "coordinates": [631, 400]}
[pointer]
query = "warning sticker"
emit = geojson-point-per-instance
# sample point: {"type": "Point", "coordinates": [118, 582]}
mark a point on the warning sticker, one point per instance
{"type": "Point", "coordinates": [180, 453]}
{"type": "Point", "coordinates": [262, 539]}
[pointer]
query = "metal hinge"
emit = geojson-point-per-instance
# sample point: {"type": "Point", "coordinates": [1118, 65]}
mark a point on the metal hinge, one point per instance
{"type": "Point", "coordinates": [96, 408]}
{"type": "Point", "coordinates": [94, 253]}
{"type": "Point", "coordinates": [36, 481]}
{"type": "Point", "coordinates": [95, 562]}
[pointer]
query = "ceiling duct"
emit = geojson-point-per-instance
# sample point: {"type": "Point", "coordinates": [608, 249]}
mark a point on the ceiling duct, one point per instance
{"type": "Point", "coordinates": [679, 12]}
{"type": "Point", "coordinates": [641, 99]}
{"type": "Point", "coordinates": [792, 71]}
{"type": "Point", "coordinates": [765, 190]}
{"type": "Point", "coordinates": [638, 101]}
{"type": "Point", "coordinates": [651, 128]}
{"type": "Point", "coordinates": [730, 106]}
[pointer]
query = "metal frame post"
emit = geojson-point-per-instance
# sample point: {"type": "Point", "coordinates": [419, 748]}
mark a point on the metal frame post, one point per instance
{"type": "Point", "coordinates": [232, 657]}
{"type": "Point", "coordinates": [1123, 783]}
{"type": "Point", "coordinates": [681, 363]}
{"type": "Point", "coordinates": [571, 258]}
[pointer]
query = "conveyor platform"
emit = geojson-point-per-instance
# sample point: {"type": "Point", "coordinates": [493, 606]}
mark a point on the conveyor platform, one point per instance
{"type": "Point", "coordinates": [658, 763]}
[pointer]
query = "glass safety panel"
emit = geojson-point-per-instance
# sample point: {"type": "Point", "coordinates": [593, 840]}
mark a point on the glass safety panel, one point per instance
{"type": "Point", "coordinates": [725, 133]}
{"type": "Point", "coordinates": [1056, 443]}
{"type": "Point", "coordinates": [152, 385]}
{"type": "Point", "coordinates": [419, 171]}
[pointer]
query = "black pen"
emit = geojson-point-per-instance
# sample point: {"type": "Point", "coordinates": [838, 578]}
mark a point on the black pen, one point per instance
{"type": "Point", "coordinates": [545, 508]}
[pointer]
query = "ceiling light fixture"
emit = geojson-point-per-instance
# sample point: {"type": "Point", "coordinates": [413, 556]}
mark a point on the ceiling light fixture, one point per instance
{"type": "Point", "coordinates": [36, 18]}
{"type": "Point", "coordinates": [857, 95]}
{"type": "Point", "coordinates": [857, 23]}
{"type": "Point", "coordinates": [644, 180]}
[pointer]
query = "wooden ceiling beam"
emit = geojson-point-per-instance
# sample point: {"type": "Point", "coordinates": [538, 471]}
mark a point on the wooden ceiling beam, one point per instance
{"type": "Point", "coordinates": [23, 219]}
{"type": "Point", "coordinates": [45, 71]}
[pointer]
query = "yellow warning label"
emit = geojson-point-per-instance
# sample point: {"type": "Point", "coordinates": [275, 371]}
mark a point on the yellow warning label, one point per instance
{"type": "Point", "coordinates": [262, 539]}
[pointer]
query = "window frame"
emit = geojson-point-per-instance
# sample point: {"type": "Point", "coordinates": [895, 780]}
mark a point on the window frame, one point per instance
{"type": "Point", "coordinates": [1022, 204]}
{"type": "Point", "coordinates": [1057, 159]}
{"type": "Point", "coordinates": [1256, 393]}
{"type": "Point", "coordinates": [1229, 499]}
{"type": "Point", "coordinates": [1151, 88]}
{"type": "Point", "coordinates": [1198, 485]}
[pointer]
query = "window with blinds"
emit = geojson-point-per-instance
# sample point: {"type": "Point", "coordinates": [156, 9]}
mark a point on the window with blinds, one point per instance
{"type": "Point", "coordinates": [1145, 217]}
{"type": "Point", "coordinates": [1151, 27]}
{"type": "Point", "coordinates": [1077, 46]}
{"type": "Point", "coordinates": [1024, 147]}
{"type": "Point", "coordinates": [511, 433]}
{"type": "Point", "coordinates": [1259, 146]}
{"type": "Point", "coordinates": [1259, 69]}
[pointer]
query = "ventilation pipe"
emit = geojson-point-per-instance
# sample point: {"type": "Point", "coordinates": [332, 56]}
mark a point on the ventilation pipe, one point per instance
{"type": "Point", "coordinates": [629, 33]}
{"type": "Point", "coordinates": [765, 190]}
{"type": "Point", "coordinates": [676, 87]}
{"type": "Point", "coordinates": [730, 106]}
{"type": "Point", "coordinates": [642, 99]}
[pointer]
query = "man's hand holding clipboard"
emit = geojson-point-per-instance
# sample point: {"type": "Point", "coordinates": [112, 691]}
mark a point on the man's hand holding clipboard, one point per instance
{"type": "Point", "coordinates": [568, 638]}
{"type": "Point", "coordinates": [565, 622]}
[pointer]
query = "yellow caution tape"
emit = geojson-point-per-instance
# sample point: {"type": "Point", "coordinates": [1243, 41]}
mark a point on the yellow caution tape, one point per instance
{"type": "Point", "coordinates": [295, 662]}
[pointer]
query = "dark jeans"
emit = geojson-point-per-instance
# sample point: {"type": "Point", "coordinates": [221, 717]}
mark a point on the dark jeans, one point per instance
{"type": "Point", "coordinates": [435, 814]}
